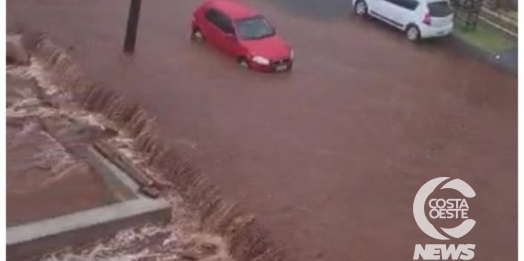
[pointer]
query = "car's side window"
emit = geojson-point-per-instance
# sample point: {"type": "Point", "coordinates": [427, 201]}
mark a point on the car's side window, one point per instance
{"type": "Point", "coordinates": [395, 2]}
{"type": "Point", "coordinates": [225, 24]}
{"type": "Point", "coordinates": [410, 4]}
{"type": "Point", "coordinates": [220, 20]}
{"type": "Point", "coordinates": [407, 4]}
{"type": "Point", "coordinates": [392, 1]}
{"type": "Point", "coordinates": [212, 16]}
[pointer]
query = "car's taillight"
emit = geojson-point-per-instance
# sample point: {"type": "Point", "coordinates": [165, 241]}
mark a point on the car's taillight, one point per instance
{"type": "Point", "coordinates": [427, 18]}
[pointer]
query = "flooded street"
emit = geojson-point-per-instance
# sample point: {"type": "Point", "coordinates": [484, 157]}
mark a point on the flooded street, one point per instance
{"type": "Point", "coordinates": [330, 156]}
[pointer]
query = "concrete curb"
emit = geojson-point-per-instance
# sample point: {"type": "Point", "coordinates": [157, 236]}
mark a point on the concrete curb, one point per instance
{"type": "Point", "coordinates": [462, 45]}
{"type": "Point", "coordinates": [29, 241]}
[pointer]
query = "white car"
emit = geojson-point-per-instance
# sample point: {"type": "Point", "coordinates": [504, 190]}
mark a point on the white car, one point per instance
{"type": "Point", "coordinates": [418, 18]}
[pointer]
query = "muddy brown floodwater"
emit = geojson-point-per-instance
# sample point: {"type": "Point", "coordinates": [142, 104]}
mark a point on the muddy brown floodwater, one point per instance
{"type": "Point", "coordinates": [330, 156]}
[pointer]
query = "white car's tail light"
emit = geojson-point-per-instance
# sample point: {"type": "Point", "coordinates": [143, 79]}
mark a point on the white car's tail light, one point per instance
{"type": "Point", "coordinates": [427, 18]}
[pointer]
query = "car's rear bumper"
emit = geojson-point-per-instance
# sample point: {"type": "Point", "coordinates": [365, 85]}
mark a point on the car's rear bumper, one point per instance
{"type": "Point", "coordinates": [432, 31]}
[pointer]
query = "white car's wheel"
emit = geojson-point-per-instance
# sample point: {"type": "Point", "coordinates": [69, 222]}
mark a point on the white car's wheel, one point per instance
{"type": "Point", "coordinates": [413, 33]}
{"type": "Point", "coordinates": [361, 8]}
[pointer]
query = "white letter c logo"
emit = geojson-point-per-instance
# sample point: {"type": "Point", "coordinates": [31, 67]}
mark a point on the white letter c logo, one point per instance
{"type": "Point", "coordinates": [420, 201]}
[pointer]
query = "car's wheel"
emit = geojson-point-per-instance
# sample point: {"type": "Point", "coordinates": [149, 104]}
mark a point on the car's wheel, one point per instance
{"type": "Point", "coordinates": [196, 34]}
{"type": "Point", "coordinates": [413, 33]}
{"type": "Point", "coordinates": [243, 63]}
{"type": "Point", "coordinates": [361, 8]}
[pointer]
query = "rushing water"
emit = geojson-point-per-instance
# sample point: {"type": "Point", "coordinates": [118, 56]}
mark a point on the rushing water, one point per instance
{"type": "Point", "coordinates": [205, 225]}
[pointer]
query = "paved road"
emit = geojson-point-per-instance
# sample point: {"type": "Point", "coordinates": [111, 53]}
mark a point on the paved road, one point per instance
{"type": "Point", "coordinates": [330, 156]}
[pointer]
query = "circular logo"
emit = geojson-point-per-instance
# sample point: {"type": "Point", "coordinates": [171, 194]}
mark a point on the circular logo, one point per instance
{"type": "Point", "coordinates": [451, 208]}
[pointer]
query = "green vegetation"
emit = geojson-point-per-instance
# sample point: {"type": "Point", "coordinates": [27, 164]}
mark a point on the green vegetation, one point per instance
{"type": "Point", "coordinates": [485, 38]}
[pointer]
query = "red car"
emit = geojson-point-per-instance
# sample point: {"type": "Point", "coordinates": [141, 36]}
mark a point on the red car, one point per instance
{"type": "Point", "coordinates": [242, 33]}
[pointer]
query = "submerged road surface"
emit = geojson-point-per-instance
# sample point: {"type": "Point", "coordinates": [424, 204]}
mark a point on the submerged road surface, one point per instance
{"type": "Point", "coordinates": [329, 157]}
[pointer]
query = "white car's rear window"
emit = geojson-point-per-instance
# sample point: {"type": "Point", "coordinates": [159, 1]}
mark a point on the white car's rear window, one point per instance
{"type": "Point", "coordinates": [439, 9]}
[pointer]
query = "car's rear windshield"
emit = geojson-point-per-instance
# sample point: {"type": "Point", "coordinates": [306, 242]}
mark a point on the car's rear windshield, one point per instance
{"type": "Point", "coordinates": [253, 28]}
{"type": "Point", "coordinates": [439, 9]}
